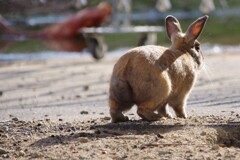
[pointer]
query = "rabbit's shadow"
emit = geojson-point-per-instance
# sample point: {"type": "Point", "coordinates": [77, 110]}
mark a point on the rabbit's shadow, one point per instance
{"type": "Point", "coordinates": [98, 131]}
{"type": "Point", "coordinates": [136, 127]}
{"type": "Point", "coordinates": [127, 129]}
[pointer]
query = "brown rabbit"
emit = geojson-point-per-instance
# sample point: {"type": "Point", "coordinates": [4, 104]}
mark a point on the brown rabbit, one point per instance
{"type": "Point", "coordinates": [153, 76]}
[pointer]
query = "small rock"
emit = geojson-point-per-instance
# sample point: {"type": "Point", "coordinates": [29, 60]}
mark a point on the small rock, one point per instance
{"type": "Point", "coordinates": [84, 140]}
{"type": "Point", "coordinates": [97, 131]}
{"type": "Point", "coordinates": [107, 118]}
{"type": "Point", "coordinates": [134, 146]}
{"type": "Point", "coordinates": [39, 124]}
{"type": "Point", "coordinates": [36, 155]}
{"type": "Point", "coordinates": [73, 128]}
{"type": "Point", "coordinates": [47, 120]}
{"type": "Point", "coordinates": [3, 128]}
{"type": "Point", "coordinates": [78, 96]}
{"type": "Point", "coordinates": [60, 119]}
{"type": "Point", "coordinates": [15, 119]}
{"type": "Point", "coordinates": [215, 147]}
{"type": "Point", "coordinates": [85, 88]}
{"type": "Point", "coordinates": [4, 136]}
{"type": "Point", "coordinates": [203, 133]}
{"type": "Point", "coordinates": [84, 112]}
{"type": "Point", "coordinates": [22, 153]}
{"type": "Point", "coordinates": [3, 151]}
{"type": "Point", "coordinates": [5, 156]}
{"type": "Point", "coordinates": [1, 93]}
{"type": "Point", "coordinates": [219, 155]}
{"type": "Point", "coordinates": [160, 136]}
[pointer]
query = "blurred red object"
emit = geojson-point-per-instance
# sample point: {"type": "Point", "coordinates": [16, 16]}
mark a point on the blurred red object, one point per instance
{"type": "Point", "coordinates": [69, 28]}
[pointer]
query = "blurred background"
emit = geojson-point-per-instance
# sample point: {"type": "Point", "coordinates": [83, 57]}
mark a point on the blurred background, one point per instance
{"type": "Point", "coordinates": [221, 32]}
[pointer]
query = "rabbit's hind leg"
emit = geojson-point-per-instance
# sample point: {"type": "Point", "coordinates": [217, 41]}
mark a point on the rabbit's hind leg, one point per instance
{"type": "Point", "coordinates": [146, 112]}
{"type": "Point", "coordinates": [116, 111]}
{"type": "Point", "coordinates": [178, 106]}
{"type": "Point", "coordinates": [163, 112]}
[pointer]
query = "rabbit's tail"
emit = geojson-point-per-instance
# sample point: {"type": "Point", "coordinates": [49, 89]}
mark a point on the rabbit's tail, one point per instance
{"type": "Point", "coordinates": [121, 92]}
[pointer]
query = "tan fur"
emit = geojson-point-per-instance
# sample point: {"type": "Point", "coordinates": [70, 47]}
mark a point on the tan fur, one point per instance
{"type": "Point", "coordinates": [153, 77]}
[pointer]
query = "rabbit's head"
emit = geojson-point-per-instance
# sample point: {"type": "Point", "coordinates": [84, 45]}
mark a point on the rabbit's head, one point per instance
{"type": "Point", "coordinates": [186, 42]}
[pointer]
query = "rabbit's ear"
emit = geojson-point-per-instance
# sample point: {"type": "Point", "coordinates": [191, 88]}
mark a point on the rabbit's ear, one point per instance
{"type": "Point", "coordinates": [196, 28]}
{"type": "Point", "coordinates": [172, 26]}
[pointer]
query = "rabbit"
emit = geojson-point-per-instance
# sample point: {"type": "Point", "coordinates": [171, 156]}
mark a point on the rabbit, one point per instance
{"type": "Point", "coordinates": [153, 77]}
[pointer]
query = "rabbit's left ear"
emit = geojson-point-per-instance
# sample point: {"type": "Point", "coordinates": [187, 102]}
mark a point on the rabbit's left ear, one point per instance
{"type": "Point", "coordinates": [172, 26]}
{"type": "Point", "coordinates": [196, 28]}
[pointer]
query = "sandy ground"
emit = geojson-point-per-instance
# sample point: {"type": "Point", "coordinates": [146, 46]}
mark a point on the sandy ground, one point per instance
{"type": "Point", "coordinates": [57, 109]}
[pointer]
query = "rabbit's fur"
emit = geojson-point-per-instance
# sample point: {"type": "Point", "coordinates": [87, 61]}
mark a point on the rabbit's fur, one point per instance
{"type": "Point", "coordinates": [153, 77]}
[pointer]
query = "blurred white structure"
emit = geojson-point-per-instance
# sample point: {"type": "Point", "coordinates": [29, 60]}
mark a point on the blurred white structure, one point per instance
{"type": "Point", "coordinates": [163, 5]}
{"type": "Point", "coordinates": [124, 8]}
{"type": "Point", "coordinates": [207, 6]}
{"type": "Point", "coordinates": [81, 3]}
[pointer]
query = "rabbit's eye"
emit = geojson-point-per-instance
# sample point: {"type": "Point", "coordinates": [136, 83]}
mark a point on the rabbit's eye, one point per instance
{"type": "Point", "coordinates": [197, 47]}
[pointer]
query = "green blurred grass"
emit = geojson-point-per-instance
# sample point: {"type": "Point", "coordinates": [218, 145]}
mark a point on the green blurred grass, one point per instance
{"type": "Point", "coordinates": [217, 31]}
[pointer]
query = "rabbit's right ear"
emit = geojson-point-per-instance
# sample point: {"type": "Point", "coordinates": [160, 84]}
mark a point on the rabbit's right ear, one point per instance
{"type": "Point", "coordinates": [196, 28]}
{"type": "Point", "coordinates": [172, 26]}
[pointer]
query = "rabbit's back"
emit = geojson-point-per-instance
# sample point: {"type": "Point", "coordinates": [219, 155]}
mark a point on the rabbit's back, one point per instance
{"type": "Point", "coordinates": [139, 74]}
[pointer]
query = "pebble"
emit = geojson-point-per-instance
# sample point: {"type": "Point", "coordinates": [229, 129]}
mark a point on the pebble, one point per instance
{"type": "Point", "coordinates": [84, 112]}
{"type": "Point", "coordinates": [85, 88]}
{"type": "Point", "coordinates": [84, 140]}
{"type": "Point", "coordinates": [97, 131]}
{"type": "Point", "coordinates": [3, 128]}
{"type": "Point", "coordinates": [36, 155]}
{"type": "Point", "coordinates": [160, 136]}
{"type": "Point", "coordinates": [5, 156]}
{"type": "Point", "coordinates": [15, 119]}
{"type": "Point", "coordinates": [203, 133]}
{"type": "Point", "coordinates": [219, 155]}
{"type": "Point", "coordinates": [215, 147]}
{"type": "Point", "coordinates": [107, 118]}
{"type": "Point", "coordinates": [4, 136]}
{"type": "Point", "coordinates": [78, 96]}
{"type": "Point", "coordinates": [22, 153]}
{"type": "Point", "coordinates": [3, 151]}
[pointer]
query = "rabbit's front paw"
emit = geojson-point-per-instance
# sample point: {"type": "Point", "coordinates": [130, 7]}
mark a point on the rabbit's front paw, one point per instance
{"type": "Point", "coordinates": [148, 115]}
{"type": "Point", "coordinates": [122, 118]}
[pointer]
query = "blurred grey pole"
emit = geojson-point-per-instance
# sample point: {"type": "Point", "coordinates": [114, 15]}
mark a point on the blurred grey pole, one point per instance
{"type": "Point", "coordinates": [81, 3]}
{"type": "Point", "coordinates": [207, 6]}
{"type": "Point", "coordinates": [163, 5]}
{"type": "Point", "coordinates": [223, 3]}
{"type": "Point", "coordinates": [121, 13]}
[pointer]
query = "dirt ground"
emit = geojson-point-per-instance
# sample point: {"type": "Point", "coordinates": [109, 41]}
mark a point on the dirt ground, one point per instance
{"type": "Point", "coordinates": [57, 109]}
{"type": "Point", "coordinates": [207, 137]}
